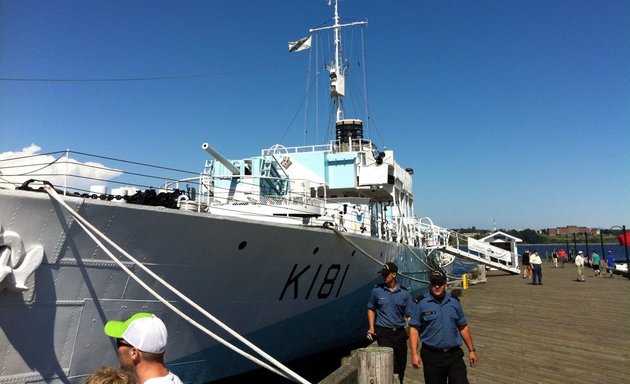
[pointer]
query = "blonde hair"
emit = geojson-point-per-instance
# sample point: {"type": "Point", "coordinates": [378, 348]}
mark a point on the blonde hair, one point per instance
{"type": "Point", "coordinates": [110, 375]}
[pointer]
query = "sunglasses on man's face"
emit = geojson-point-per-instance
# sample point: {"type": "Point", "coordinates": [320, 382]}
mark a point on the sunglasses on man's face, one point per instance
{"type": "Point", "coordinates": [123, 343]}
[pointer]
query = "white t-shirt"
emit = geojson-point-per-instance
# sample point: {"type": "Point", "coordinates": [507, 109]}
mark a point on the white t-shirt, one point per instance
{"type": "Point", "coordinates": [535, 259]}
{"type": "Point", "coordinates": [168, 379]}
{"type": "Point", "coordinates": [579, 260]}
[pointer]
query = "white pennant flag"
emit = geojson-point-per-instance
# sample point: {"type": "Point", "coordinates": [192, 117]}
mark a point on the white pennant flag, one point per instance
{"type": "Point", "coordinates": [300, 45]}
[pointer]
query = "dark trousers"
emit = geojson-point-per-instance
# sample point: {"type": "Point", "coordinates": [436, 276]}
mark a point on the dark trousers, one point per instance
{"type": "Point", "coordinates": [537, 277]}
{"type": "Point", "coordinates": [444, 367]}
{"type": "Point", "coordinates": [397, 340]}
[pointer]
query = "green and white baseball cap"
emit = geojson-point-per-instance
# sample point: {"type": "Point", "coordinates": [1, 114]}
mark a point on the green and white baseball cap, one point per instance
{"type": "Point", "coordinates": [144, 331]}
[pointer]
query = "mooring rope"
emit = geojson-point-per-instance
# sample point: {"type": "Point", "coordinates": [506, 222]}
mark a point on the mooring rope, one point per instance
{"type": "Point", "coordinates": [355, 245]}
{"type": "Point", "coordinates": [374, 259]}
{"type": "Point", "coordinates": [90, 230]}
{"type": "Point", "coordinates": [418, 257]}
{"type": "Point", "coordinates": [450, 277]}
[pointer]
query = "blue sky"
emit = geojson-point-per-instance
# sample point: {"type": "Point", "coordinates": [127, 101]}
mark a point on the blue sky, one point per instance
{"type": "Point", "coordinates": [514, 111]}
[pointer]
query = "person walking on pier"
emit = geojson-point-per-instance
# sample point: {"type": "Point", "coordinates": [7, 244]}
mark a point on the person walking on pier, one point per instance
{"type": "Point", "coordinates": [610, 264]}
{"type": "Point", "coordinates": [386, 313]}
{"type": "Point", "coordinates": [595, 262]}
{"type": "Point", "coordinates": [579, 262]}
{"type": "Point", "coordinates": [527, 269]}
{"type": "Point", "coordinates": [536, 262]}
{"type": "Point", "coordinates": [438, 321]}
{"type": "Point", "coordinates": [562, 255]}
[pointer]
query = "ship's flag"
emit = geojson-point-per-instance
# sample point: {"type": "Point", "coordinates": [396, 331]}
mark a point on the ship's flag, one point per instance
{"type": "Point", "coordinates": [300, 45]}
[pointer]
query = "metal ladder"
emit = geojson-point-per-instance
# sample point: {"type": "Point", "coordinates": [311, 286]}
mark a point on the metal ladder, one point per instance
{"type": "Point", "coordinates": [274, 179]}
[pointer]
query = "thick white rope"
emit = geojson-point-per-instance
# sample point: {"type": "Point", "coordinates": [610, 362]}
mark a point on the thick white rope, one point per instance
{"type": "Point", "coordinates": [85, 225]}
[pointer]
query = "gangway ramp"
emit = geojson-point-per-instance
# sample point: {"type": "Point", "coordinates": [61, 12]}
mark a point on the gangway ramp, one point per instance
{"type": "Point", "coordinates": [487, 254]}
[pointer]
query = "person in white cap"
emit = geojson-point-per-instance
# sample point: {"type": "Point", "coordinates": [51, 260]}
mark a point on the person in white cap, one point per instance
{"type": "Point", "coordinates": [579, 262]}
{"type": "Point", "coordinates": [141, 342]}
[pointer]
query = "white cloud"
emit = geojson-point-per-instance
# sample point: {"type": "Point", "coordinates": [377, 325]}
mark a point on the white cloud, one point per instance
{"type": "Point", "coordinates": [56, 168]}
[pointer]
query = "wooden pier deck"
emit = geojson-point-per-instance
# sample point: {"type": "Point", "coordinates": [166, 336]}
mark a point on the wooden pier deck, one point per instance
{"type": "Point", "coordinates": [561, 332]}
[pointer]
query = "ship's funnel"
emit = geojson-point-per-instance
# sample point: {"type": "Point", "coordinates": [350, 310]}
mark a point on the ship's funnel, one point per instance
{"type": "Point", "coordinates": [221, 159]}
{"type": "Point", "coordinates": [349, 130]}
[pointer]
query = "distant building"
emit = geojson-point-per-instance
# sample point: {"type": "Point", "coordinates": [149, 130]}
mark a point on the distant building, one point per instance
{"type": "Point", "coordinates": [571, 229]}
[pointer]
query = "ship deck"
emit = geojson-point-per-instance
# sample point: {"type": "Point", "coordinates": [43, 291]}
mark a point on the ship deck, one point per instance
{"type": "Point", "coordinates": [561, 332]}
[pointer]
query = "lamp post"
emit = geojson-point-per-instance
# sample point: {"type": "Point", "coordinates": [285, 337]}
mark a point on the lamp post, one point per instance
{"type": "Point", "coordinates": [623, 232]}
{"type": "Point", "coordinates": [588, 254]}
{"type": "Point", "coordinates": [601, 241]}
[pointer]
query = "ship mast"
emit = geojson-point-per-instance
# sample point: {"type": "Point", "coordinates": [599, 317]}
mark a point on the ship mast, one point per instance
{"type": "Point", "coordinates": [337, 70]}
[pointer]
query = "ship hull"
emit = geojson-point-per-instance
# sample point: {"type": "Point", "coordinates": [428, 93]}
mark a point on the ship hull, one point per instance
{"type": "Point", "coordinates": [291, 290]}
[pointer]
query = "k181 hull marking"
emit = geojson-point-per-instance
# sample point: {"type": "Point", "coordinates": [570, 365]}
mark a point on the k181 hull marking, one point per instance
{"type": "Point", "coordinates": [327, 283]}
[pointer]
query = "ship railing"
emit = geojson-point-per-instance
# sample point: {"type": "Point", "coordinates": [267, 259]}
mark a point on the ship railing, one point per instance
{"type": "Point", "coordinates": [353, 145]}
{"type": "Point", "coordinates": [431, 235]}
{"type": "Point", "coordinates": [74, 172]}
{"type": "Point", "coordinates": [469, 244]}
{"type": "Point", "coordinates": [82, 174]}
{"type": "Point", "coordinates": [106, 178]}
{"type": "Point", "coordinates": [282, 150]}
{"type": "Point", "coordinates": [251, 187]}
{"type": "Point", "coordinates": [462, 246]}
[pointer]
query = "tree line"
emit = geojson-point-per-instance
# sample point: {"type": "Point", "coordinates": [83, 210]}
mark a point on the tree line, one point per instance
{"type": "Point", "coordinates": [532, 236]}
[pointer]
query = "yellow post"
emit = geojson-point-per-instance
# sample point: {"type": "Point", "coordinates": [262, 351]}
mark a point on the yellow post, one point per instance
{"type": "Point", "coordinates": [465, 281]}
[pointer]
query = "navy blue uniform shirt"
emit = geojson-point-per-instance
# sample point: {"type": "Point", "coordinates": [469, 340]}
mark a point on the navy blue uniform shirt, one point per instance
{"type": "Point", "coordinates": [438, 322]}
{"type": "Point", "coordinates": [390, 306]}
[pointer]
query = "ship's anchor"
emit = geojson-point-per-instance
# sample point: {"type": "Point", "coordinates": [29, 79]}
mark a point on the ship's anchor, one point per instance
{"type": "Point", "coordinates": [17, 264]}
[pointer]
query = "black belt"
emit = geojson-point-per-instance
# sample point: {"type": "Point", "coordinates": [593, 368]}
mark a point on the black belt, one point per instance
{"type": "Point", "coordinates": [443, 350]}
{"type": "Point", "coordinates": [390, 329]}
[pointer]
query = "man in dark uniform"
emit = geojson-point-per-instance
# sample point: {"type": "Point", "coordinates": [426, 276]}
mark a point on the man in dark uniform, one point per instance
{"type": "Point", "coordinates": [386, 317]}
{"type": "Point", "coordinates": [439, 321]}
